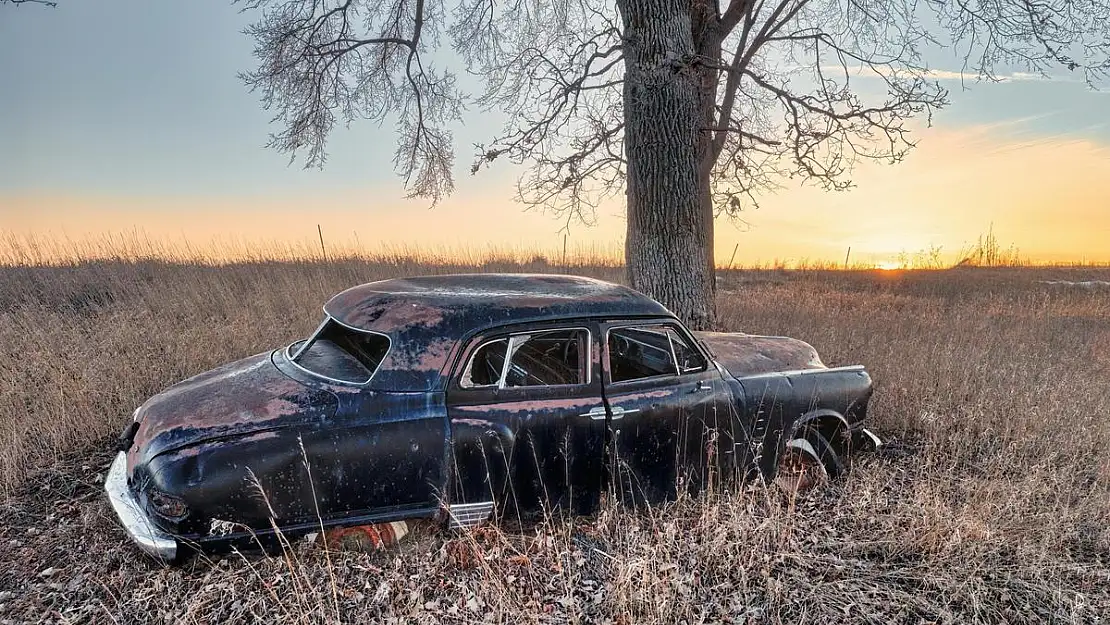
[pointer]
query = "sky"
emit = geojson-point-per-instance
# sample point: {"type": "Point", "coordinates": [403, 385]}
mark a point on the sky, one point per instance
{"type": "Point", "coordinates": [124, 116]}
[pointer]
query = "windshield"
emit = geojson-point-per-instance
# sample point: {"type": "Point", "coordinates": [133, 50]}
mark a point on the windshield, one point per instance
{"type": "Point", "coordinates": [340, 353]}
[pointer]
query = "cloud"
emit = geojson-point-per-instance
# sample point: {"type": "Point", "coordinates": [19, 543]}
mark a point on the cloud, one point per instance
{"type": "Point", "coordinates": [864, 71]}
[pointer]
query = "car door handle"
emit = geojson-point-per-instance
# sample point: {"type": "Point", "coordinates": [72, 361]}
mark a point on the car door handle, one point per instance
{"type": "Point", "coordinates": [597, 413]}
{"type": "Point", "coordinates": [702, 387]}
{"type": "Point", "coordinates": [619, 412]}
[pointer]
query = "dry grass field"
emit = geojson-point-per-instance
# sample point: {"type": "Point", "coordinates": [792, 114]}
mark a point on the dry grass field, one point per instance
{"type": "Point", "coordinates": [990, 505]}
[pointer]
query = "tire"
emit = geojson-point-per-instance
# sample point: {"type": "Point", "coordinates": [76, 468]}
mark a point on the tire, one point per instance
{"type": "Point", "coordinates": [807, 461]}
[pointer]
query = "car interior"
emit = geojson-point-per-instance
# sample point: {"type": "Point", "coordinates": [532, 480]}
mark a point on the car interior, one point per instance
{"type": "Point", "coordinates": [541, 359]}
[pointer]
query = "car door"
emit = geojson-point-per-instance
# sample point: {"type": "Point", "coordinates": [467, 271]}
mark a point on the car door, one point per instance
{"type": "Point", "coordinates": [666, 406]}
{"type": "Point", "coordinates": [391, 448]}
{"type": "Point", "coordinates": [527, 419]}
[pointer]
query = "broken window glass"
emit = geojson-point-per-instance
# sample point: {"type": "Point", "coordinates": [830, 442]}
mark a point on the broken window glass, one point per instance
{"type": "Point", "coordinates": [547, 359]}
{"type": "Point", "coordinates": [340, 353]}
{"type": "Point", "coordinates": [648, 351]}
{"type": "Point", "coordinates": [485, 365]}
{"type": "Point", "coordinates": [544, 358]}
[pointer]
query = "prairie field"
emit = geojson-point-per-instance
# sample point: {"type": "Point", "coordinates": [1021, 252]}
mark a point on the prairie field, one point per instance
{"type": "Point", "coordinates": [989, 504]}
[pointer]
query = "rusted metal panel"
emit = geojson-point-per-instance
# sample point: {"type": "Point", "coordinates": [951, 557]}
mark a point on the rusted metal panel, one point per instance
{"type": "Point", "coordinates": [749, 354]}
{"type": "Point", "coordinates": [237, 399]}
{"type": "Point", "coordinates": [365, 537]}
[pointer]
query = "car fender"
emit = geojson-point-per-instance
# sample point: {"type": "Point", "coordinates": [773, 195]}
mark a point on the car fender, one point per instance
{"type": "Point", "coordinates": [824, 416]}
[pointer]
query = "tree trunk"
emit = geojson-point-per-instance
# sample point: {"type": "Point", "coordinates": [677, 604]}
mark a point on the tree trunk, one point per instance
{"type": "Point", "coordinates": [707, 42]}
{"type": "Point", "coordinates": [668, 247]}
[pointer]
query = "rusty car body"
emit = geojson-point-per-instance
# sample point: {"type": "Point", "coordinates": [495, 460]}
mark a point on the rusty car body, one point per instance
{"type": "Point", "coordinates": [457, 397]}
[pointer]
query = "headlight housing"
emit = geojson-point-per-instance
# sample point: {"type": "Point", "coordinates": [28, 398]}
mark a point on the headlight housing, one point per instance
{"type": "Point", "coordinates": [167, 505]}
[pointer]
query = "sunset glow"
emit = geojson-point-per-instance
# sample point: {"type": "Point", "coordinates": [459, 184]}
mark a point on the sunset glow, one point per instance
{"type": "Point", "coordinates": [105, 144]}
{"type": "Point", "coordinates": [1046, 199]}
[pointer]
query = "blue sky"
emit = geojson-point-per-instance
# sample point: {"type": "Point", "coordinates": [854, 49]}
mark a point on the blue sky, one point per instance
{"type": "Point", "coordinates": [140, 97]}
{"type": "Point", "coordinates": [128, 113]}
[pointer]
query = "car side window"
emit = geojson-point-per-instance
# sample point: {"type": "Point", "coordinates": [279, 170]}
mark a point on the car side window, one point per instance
{"type": "Point", "coordinates": [638, 352]}
{"type": "Point", "coordinates": [486, 365]}
{"type": "Point", "coordinates": [540, 358]}
{"type": "Point", "coordinates": [547, 358]}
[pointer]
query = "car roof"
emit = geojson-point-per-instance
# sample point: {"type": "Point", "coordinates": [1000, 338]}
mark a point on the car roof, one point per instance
{"type": "Point", "coordinates": [426, 317]}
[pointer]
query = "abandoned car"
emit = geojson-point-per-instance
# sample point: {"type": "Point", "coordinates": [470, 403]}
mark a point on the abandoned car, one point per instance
{"type": "Point", "coordinates": [459, 397]}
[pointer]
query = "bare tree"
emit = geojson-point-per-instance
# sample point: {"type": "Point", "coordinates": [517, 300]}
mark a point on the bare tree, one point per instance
{"type": "Point", "coordinates": [692, 109]}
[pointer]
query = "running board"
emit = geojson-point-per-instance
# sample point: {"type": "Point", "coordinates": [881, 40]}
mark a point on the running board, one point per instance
{"type": "Point", "coordinates": [469, 514]}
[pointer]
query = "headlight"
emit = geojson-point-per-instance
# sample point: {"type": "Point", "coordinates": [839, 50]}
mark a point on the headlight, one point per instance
{"type": "Point", "coordinates": [167, 505]}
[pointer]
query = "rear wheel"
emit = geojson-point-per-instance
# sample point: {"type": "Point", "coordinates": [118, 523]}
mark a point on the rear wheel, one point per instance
{"type": "Point", "coordinates": [807, 461]}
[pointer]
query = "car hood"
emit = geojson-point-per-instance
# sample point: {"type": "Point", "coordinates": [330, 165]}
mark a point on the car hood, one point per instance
{"type": "Point", "coordinates": [749, 354]}
{"type": "Point", "coordinates": [236, 399]}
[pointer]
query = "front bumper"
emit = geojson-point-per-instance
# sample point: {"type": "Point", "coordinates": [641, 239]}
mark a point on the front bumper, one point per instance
{"type": "Point", "coordinates": [139, 527]}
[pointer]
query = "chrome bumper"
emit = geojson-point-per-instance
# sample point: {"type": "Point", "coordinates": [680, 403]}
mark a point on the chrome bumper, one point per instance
{"type": "Point", "coordinates": [866, 439]}
{"type": "Point", "coordinates": [145, 534]}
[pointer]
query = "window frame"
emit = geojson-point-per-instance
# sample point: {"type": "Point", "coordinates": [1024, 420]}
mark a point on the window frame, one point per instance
{"type": "Point", "coordinates": [305, 343]}
{"type": "Point", "coordinates": [584, 353]}
{"type": "Point", "coordinates": [691, 344]}
{"type": "Point", "coordinates": [470, 364]}
{"type": "Point", "coordinates": [671, 324]}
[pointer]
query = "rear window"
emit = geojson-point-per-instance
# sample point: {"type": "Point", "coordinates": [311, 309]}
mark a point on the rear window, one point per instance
{"type": "Point", "coordinates": [340, 353]}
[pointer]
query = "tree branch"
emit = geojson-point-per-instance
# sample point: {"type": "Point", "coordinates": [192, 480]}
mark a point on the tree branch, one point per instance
{"type": "Point", "coordinates": [785, 104]}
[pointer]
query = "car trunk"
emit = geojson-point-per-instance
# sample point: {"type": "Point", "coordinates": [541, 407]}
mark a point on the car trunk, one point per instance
{"type": "Point", "coordinates": [749, 354]}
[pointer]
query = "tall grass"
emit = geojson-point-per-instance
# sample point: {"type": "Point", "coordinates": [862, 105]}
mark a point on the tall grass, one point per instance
{"type": "Point", "coordinates": [987, 251]}
{"type": "Point", "coordinates": [992, 504]}
{"type": "Point", "coordinates": [136, 247]}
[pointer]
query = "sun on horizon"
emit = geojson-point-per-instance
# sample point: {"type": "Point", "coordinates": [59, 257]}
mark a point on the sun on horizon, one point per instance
{"type": "Point", "coordinates": [889, 265]}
